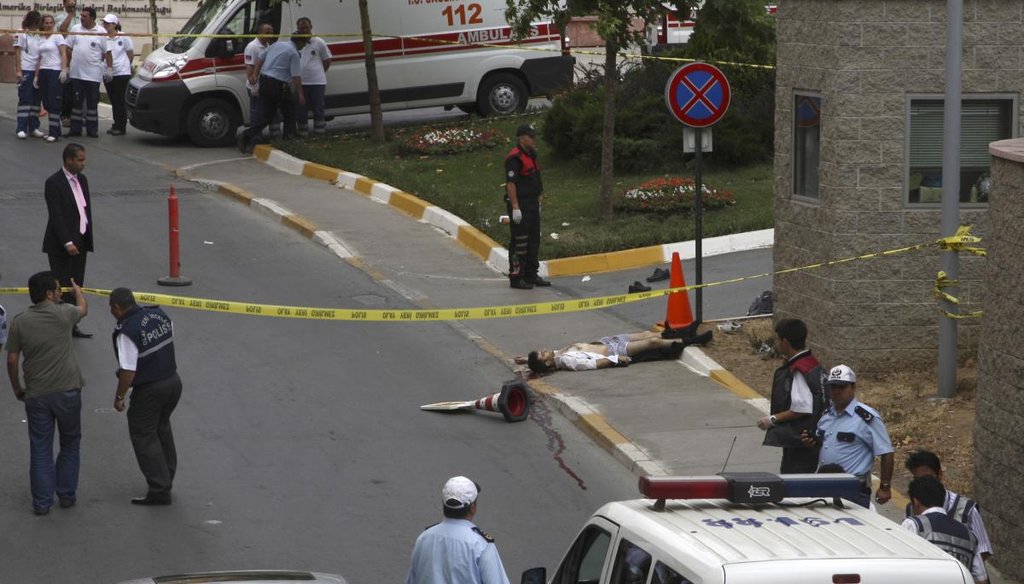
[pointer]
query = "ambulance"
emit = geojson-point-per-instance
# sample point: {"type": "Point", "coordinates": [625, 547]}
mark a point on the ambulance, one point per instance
{"type": "Point", "coordinates": [455, 53]}
{"type": "Point", "coordinates": [747, 528]}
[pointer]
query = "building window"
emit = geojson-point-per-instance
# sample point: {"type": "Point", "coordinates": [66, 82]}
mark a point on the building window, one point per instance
{"type": "Point", "coordinates": [981, 121]}
{"type": "Point", "coordinates": [806, 145]}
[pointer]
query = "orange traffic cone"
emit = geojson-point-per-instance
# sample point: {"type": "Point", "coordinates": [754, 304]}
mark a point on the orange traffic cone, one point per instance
{"type": "Point", "coordinates": [512, 402]}
{"type": "Point", "coordinates": [679, 314]}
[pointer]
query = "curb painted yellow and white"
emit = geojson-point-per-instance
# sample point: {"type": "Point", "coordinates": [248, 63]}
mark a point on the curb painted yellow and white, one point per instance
{"type": "Point", "coordinates": [493, 254]}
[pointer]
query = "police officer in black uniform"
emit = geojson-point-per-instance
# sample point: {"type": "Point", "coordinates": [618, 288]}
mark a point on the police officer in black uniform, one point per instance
{"type": "Point", "coordinates": [144, 346]}
{"type": "Point", "coordinates": [523, 190]}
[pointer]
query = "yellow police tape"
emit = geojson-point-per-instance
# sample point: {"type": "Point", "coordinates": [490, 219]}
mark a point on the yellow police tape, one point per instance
{"type": "Point", "coordinates": [961, 238]}
{"type": "Point", "coordinates": [942, 281]}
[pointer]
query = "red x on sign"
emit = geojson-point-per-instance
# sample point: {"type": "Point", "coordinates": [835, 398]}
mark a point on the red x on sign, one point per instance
{"type": "Point", "coordinates": [697, 94]}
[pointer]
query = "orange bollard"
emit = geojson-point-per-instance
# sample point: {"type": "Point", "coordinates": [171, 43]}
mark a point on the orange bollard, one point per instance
{"type": "Point", "coordinates": [174, 278]}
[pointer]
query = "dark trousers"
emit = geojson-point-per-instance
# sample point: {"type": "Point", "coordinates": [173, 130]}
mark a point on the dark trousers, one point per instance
{"type": "Point", "coordinates": [116, 89]}
{"type": "Point", "coordinates": [524, 248]}
{"type": "Point", "coordinates": [149, 426]}
{"type": "Point", "coordinates": [67, 98]}
{"type": "Point", "coordinates": [799, 460]}
{"type": "Point", "coordinates": [51, 92]}
{"type": "Point", "coordinates": [85, 106]}
{"type": "Point", "coordinates": [28, 103]}
{"type": "Point", "coordinates": [275, 96]}
{"type": "Point", "coordinates": [315, 95]}
{"type": "Point", "coordinates": [65, 267]}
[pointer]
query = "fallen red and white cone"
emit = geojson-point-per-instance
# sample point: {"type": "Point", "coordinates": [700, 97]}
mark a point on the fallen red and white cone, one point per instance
{"type": "Point", "coordinates": [513, 402]}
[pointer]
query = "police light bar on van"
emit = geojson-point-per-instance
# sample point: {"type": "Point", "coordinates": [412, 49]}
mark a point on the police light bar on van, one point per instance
{"type": "Point", "coordinates": [753, 488]}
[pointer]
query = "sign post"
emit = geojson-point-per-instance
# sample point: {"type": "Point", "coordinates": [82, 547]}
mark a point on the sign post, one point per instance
{"type": "Point", "coordinates": [698, 95]}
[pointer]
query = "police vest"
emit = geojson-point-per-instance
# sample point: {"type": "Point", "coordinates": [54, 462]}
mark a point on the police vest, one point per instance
{"type": "Point", "coordinates": [528, 183]}
{"type": "Point", "coordinates": [787, 434]}
{"type": "Point", "coordinates": [151, 331]}
{"type": "Point", "coordinates": [960, 510]}
{"type": "Point", "coordinates": [949, 535]}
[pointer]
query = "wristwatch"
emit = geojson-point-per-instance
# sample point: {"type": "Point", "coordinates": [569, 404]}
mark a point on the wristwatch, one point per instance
{"type": "Point", "coordinates": [884, 485]}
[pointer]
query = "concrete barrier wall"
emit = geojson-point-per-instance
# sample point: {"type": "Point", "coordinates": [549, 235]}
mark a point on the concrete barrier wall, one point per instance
{"type": "Point", "coordinates": [998, 441]}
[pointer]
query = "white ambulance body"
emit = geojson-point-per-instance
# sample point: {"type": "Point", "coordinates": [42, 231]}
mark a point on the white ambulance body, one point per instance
{"type": "Point", "coordinates": [428, 53]}
{"type": "Point", "coordinates": [801, 540]}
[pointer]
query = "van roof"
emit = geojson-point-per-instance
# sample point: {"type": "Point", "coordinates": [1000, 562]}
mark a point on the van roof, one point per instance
{"type": "Point", "coordinates": [716, 532]}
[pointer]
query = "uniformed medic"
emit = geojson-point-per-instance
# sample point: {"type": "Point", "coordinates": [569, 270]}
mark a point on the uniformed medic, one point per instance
{"type": "Point", "coordinates": [852, 434]}
{"type": "Point", "coordinates": [930, 521]}
{"type": "Point", "coordinates": [523, 191]}
{"type": "Point", "coordinates": [144, 346]}
{"type": "Point", "coordinates": [455, 551]}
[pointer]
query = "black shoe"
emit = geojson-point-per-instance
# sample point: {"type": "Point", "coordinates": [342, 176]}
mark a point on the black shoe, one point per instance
{"type": "Point", "coordinates": [680, 333]}
{"type": "Point", "coordinates": [539, 282]}
{"type": "Point", "coordinates": [93, 134]}
{"type": "Point", "coordinates": [638, 287]}
{"type": "Point", "coordinates": [243, 145]}
{"type": "Point", "coordinates": [115, 132]}
{"type": "Point", "coordinates": [520, 284]}
{"type": "Point", "coordinates": [701, 339]}
{"type": "Point", "coordinates": [658, 275]}
{"type": "Point", "coordinates": [66, 502]}
{"type": "Point", "coordinates": [74, 134]}
{"type": "Point", "coordinates": [78, 334]}
{"type": "Point", "coordinates": [152, 500]}
{"type": "Point", "coordinates": [40, 510]}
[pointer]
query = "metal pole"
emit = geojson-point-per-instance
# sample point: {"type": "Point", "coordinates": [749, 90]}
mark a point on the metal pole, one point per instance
{"type": "Point", "coordinates": [698, 214]}
{"type": "Point", "coordinates": [950, 191]}
{"type": "Point", "coordinates": [174, 278]}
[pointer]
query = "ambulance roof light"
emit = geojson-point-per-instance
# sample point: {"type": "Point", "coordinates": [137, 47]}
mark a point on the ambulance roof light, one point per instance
{"type": "Point", "coordinates": [750, 487]}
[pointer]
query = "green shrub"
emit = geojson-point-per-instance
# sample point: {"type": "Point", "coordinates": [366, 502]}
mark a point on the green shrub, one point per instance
{"type": "Point", "coordinates": [647, 136]}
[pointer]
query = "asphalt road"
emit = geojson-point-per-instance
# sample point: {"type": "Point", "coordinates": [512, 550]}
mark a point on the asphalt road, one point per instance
{"type": "Point", "coordinates": [301, 444]}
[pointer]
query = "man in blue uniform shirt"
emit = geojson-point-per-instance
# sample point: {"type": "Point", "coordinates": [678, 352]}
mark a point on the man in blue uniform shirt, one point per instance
{"type": "Point", "coordinates": [280, 82]}
{"type": "Point", "coordinates": [455, 551]}
{"type": "Point", "coordinates": [852, 434]}
{"type": "Point", "coordinates": [144, 346]}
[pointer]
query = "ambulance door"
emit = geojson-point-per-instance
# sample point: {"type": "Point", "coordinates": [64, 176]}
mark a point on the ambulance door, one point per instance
{"type": "Point", "coordinates": [338, 23]}
{"type": "Point", "coordinates": [244, 22]}
{"type": "Point", "coordinates": [591, 552]}
{"type": "Point", "coordinates": [440, 61]}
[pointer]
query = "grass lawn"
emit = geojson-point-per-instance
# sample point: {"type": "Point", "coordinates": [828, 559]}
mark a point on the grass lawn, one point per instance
{"type": "Point", "coordinates": [470, 186]}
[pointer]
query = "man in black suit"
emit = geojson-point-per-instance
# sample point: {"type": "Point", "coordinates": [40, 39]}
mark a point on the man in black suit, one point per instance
{"type": "Point", "coordinates": [68, 235]}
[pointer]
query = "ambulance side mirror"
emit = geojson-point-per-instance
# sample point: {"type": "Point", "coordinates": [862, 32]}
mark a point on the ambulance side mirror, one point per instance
{"type": "Point", "coordinates": [534, 576]}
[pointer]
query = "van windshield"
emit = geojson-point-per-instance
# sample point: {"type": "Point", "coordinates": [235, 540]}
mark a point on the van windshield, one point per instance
{"type": "Point", "coordinates": [209, 12]}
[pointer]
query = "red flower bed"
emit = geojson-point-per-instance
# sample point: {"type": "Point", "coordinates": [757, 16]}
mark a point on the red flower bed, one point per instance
{"type": "Point", "coordinates": [670, 195]}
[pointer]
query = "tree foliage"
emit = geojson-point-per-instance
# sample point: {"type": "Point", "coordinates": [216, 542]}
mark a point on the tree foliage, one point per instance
{"type": "Point", "coordinates": [614, 25]}
{"type": "Point", "coordinates": [734, 30]}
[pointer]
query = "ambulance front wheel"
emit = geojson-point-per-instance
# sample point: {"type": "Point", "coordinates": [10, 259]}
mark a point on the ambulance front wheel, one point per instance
{"type": "Point", "coordinates": [502, 94]}
{"type": "Point", "coordinates": [212, 122]}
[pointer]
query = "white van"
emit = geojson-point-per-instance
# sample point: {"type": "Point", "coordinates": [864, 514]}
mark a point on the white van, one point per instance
{"type": "Point", "coordinates": [426, 53]}
{"type": "Point", "coordinates": [753, 528]}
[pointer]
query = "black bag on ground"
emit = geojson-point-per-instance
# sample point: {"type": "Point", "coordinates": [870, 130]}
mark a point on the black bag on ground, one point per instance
{"type": "Point", "coordinates": [761, 305]}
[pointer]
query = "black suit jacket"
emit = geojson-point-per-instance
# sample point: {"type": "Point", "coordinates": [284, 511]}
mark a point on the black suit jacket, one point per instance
{"type": "Point", "coordinates": [62, 212]}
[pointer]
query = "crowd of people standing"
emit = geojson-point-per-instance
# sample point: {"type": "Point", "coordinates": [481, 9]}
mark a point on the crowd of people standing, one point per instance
{"type": "Point", "coordinates": [60, 62]}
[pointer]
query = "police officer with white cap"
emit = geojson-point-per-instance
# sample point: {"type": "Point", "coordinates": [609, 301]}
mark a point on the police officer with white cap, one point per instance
{"type": "Point", "coordinates": [852, 434]}
{"type": "Point", "coordinates": [455, 551]}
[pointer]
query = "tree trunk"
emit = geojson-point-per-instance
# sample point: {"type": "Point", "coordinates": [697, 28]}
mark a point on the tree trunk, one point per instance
{"type": "Point", "coordinates": [376, 117]}
{"type": "Point", "coordinates": [608, 135]}
{"type": "Point", "coordinates": [152, 23]}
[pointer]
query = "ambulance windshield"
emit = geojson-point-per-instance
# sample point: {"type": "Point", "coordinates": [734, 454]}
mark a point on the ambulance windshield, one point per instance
{"type": "Point", "coordinates": [210, 11]}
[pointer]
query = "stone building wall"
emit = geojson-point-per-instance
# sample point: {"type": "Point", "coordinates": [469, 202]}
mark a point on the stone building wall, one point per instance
{"type": "Point", "coordinates": [865, 58]}
{"type": "Point", "coordinates": [998, 445]}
